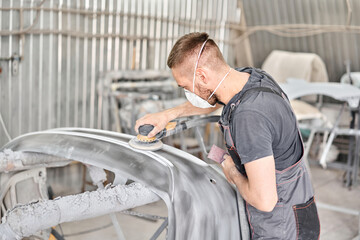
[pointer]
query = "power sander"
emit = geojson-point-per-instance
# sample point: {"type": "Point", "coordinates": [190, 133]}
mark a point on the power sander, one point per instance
{"type": "Point", "coordinates": [143, 142]}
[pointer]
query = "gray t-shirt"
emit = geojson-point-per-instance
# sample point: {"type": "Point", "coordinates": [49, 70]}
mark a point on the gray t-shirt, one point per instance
{"type": "Point", "coordinates": [264, 124]}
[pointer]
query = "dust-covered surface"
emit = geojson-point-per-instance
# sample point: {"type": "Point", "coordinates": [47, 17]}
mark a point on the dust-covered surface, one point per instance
{"type": "Point", "coordinates": [17, 160]}
{"type": "Point", "coordinates": [24, 220]}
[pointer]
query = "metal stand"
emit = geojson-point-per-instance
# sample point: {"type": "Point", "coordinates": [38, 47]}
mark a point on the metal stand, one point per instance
{"type": "Point", "coordinates": [356, 159]}
{"type": "Point", "coordinates": [160, 229]}
{"type": "Point", "coordinates": [352, 165]}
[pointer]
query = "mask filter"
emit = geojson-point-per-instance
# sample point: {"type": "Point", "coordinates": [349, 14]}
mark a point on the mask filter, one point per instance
{"type": "Point", "coordinates": [197, 101]}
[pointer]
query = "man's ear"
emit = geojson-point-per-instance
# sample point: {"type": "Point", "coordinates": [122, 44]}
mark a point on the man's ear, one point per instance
{"type": "Point", "coordinates": [202, 75]}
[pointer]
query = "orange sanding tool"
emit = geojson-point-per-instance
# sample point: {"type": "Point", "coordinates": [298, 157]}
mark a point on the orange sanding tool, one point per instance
{"type": "Point", "coordinates": [143, 142]}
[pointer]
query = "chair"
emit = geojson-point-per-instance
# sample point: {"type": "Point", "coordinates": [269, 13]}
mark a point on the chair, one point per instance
{"type": "Point", "coordinates": [282, 65]}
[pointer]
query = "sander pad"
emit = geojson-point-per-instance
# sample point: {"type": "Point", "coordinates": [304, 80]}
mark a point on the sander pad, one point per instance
{"type": "Point", "coordinates": [147, 146]}
{"type": "Point", "coordinates": [144, 145]}
{"type": "Point", "coordinates": [143, 142]}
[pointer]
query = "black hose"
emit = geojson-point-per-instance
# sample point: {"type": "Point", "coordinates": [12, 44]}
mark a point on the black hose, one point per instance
{"type": "Point", "coordinates": [181, 126]}
{"type": "Point", "coordinates": [57, 235]}
{"type": "Point", "coordinates": [191, 123]}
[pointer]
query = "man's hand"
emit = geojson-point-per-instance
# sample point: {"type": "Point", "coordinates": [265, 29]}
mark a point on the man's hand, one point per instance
{"type": "Point", "coordinates": [230, 169]}
{"type": "Point", "coordinates": [259, 187]}
{"type": "Point", "coordinates": [158, 120]}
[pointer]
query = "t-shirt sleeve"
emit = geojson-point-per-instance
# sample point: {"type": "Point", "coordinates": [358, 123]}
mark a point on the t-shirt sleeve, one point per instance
{"type": "Point", "coordinates": [252, 133]}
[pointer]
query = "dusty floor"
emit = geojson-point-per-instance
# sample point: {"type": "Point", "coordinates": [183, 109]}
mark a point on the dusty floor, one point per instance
{"type": "Point", "coordinates": [328, 189]}
{"type": "Point", "coordinates": [130, 226]}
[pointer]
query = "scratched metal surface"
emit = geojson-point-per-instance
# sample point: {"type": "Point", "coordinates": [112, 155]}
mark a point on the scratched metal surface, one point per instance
{"type": "Point", "coordinates": [197, 207]}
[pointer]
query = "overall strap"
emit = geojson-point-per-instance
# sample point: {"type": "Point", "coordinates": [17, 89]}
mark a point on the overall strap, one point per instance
{"type": "Point", "coordinates": [262, 72]}
{"type": "Point", "coordinates": [255, 89]}
{"type": "Point", "coordinates": [274, 82]}
{"type": "Point", "coordinates": [258, 89]}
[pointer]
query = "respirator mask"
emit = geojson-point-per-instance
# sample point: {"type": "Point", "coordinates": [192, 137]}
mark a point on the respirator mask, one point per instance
{"type": "Point", "coordinates": [194, 99]}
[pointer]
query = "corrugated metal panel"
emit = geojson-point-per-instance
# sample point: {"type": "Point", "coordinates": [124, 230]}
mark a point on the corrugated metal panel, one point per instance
{"type": "Point", "coordinates": [70, 42]}
{"type": "Point", "coordinates": [333, 47]}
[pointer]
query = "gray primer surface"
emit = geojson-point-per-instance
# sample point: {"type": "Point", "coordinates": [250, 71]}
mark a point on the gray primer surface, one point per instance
{"type": "Point", "coordinates": [197, 208]}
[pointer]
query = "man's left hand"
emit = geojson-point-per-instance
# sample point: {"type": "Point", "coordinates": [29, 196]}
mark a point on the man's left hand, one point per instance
{"type": "Point", "coordinates": [230, 169]}
{"type": "Point", "coordinates": [259, 187]}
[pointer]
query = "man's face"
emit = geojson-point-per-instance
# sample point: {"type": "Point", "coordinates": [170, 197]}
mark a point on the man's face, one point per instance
{"type": "Point", "coordinates": [185, 80]}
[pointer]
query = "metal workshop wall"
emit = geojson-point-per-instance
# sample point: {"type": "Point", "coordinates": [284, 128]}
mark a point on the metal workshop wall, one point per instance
{"type": "Point", "coordinates": [329, 28]}
{"type": "Point", "coordinates": [64, 45]}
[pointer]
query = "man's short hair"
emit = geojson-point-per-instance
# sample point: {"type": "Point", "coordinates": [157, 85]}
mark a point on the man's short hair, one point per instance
{"type": "Point", "coordinates": [188, 44]}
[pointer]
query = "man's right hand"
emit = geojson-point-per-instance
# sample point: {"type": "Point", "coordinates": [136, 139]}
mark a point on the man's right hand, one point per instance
{"type": "Point", "coordinates": [158, 120]}
{"type": "Point", "coordinates": [161, 119]}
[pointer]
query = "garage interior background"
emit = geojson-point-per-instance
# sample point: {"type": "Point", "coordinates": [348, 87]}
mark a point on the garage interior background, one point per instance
{"type": "Point", "coordinates": [53, 51]}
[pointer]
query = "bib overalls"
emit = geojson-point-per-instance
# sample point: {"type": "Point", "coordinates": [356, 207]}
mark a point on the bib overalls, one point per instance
{"type": "Point", "coordinates": [295, 214]}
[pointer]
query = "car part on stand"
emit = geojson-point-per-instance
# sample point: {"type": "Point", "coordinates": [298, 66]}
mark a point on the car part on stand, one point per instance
{"type": "Point", "coordinates": [188, 186]}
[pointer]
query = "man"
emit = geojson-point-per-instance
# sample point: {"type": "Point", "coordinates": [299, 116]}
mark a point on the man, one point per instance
{"type": "Point", "coordinates": [260, 131]}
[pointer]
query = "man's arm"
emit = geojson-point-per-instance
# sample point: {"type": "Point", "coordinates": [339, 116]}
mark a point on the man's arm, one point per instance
{"type": "Point", "coordinates": [259, 188]}
{"type": "Point", "coordinates": [160, 119]}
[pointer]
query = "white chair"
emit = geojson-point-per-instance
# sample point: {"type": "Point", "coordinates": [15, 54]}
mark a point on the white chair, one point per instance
{"type": "Point", "coordinates": [282, 65]}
